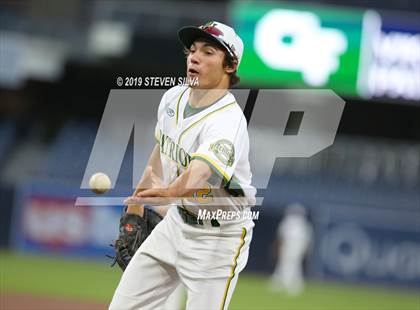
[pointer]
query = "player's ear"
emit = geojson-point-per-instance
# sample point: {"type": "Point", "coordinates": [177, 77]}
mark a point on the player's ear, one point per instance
{"type": "Point", "coordinates": [231, 68]}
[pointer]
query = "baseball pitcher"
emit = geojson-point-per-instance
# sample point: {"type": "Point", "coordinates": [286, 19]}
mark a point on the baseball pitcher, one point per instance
{"type": "Point", "coordinates": [198, 176]}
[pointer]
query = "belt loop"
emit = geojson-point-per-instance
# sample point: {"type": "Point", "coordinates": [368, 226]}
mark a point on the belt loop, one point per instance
{"type": "Point", "coordinates": [215, 223]}
{"type": "Point", "coordinates": [192, 219]}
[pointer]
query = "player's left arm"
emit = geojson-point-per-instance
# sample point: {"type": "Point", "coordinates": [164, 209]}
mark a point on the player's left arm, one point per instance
{"type": "Point", "coordinates": [194, 178]}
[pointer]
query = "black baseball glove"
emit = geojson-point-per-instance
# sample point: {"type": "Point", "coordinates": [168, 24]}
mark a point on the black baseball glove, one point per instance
{"type": "Point", "coordinates": [134, 229]}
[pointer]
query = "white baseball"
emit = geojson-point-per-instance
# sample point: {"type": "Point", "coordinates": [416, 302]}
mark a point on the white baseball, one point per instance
{"type": "Point", "coordinates": [99, 183]}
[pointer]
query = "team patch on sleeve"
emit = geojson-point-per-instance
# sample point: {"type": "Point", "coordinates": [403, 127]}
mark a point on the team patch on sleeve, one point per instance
{"type": "Point", "coordinates": [224, 150]}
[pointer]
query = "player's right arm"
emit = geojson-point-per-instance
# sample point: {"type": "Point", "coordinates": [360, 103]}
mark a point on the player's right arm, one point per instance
{"type": "Point", "coordinates": [154, 164]}
{"type": "Point", "coordinates": [153, 174]}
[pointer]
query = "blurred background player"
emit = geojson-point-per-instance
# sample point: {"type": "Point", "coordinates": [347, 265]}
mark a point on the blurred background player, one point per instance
{"type": "Point", "coordinates": [294, 235]}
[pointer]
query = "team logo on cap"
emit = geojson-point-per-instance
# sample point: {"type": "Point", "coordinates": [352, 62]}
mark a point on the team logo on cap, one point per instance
{"type": "Point", "coordinates": [211, 28]}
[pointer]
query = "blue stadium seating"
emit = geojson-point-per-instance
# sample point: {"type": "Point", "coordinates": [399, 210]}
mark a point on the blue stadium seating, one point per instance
{"type": "Point", "coordinates": [69, 153]}
{"type": "Point", "coordinates": [7, 137]}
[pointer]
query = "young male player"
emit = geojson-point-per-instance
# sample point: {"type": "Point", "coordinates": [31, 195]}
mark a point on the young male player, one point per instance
{"type": "Point", "coordinates": [201, 153]}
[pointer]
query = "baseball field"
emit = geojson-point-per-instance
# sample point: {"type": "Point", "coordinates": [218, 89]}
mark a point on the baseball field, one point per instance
{"type": "Point", "coordinates": [41, 282]}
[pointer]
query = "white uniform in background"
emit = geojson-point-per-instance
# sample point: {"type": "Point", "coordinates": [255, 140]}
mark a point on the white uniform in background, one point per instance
{"type": "Point", "coordinates": [294, 233]}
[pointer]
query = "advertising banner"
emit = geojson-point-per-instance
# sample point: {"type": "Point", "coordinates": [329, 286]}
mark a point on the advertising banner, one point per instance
{"type": "Point", "coordinates": [349, 50]}
{"type": "Point", "coordinates": [47, 220]}
{"type": "Point", "coordinates": [360, 243]}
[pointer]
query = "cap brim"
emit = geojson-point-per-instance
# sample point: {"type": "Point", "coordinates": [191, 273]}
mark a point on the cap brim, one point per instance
{"type": "Point", "coordinates": [187, 35]}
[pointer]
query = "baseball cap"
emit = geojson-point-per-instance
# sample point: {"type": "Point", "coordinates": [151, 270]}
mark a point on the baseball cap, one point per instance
{"type": "Point", "coordinates": [216, 32]}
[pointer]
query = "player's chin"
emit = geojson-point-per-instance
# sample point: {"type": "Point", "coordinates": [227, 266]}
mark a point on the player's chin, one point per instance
{"type": "Point", "coordinates": [202, 84]}
{"type": "Point", "coordinates": [192, 85]}
{"type": "Point", "coordinates": [203, 87]}
{"type": "Point", "coordinates": [193, 80]}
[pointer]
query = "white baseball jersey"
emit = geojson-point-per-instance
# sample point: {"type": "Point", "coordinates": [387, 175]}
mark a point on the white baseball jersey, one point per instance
{"type": "Point", "coordinates": [216, 135]}
{"type": "Point", "coordinates": [207, 259]}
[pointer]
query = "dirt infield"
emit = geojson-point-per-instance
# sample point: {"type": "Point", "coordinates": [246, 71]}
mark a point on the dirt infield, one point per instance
{"type": "Point", "coordinates": [14, 301]}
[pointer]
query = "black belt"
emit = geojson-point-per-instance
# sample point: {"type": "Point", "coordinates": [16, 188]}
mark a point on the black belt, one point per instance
{"type": "Point", "coordinates": [192, 219]}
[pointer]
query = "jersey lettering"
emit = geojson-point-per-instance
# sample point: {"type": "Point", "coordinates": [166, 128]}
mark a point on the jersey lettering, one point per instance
{"type": "Point", "coordinates": [172, 150]}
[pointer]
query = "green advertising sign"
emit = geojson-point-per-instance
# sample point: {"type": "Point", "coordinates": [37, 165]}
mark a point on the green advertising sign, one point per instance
{"type": "Point", "coordinates": [304, 46]}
